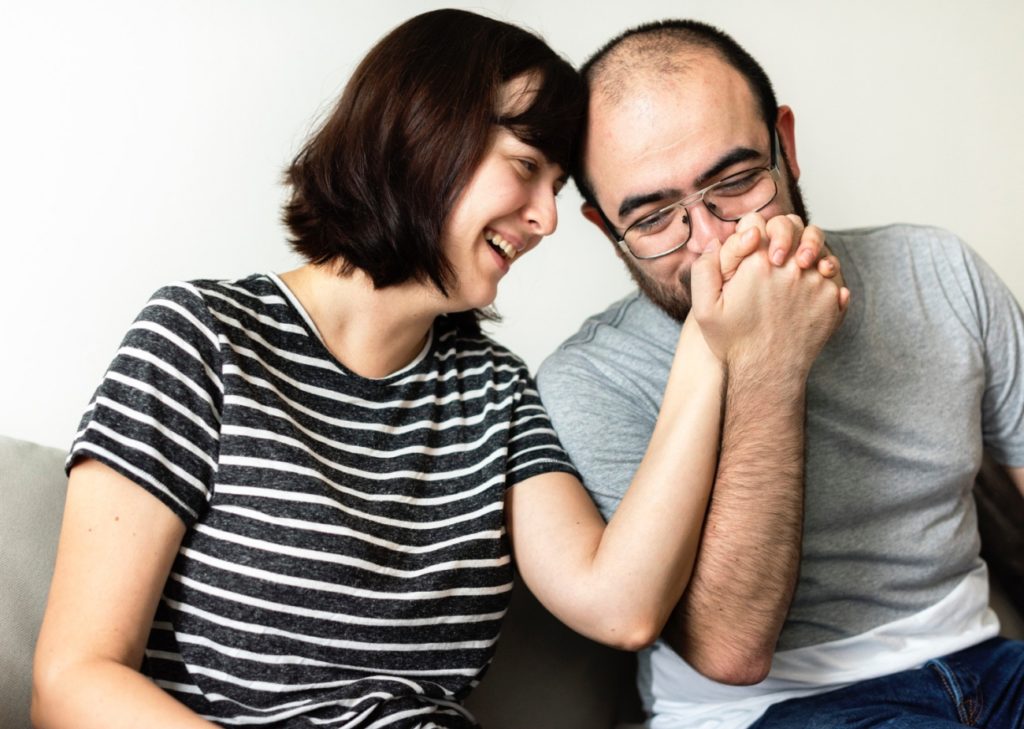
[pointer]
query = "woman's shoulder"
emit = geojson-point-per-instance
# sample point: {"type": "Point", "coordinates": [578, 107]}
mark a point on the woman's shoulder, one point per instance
{"type": "Point", "coordinates": [473, 348]}
{"type": "Point", "coordinates": [251, 303]}
{"type": "Point", "coordinates": [257, 290]}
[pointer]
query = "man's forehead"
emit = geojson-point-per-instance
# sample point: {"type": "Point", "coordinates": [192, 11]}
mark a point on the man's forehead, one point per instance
{"type": "Point", "coordinates": [662, 127]}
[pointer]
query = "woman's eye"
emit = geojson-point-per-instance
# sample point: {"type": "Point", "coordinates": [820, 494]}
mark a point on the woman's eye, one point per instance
{"type": "Point", "coordinates": [528, 165]}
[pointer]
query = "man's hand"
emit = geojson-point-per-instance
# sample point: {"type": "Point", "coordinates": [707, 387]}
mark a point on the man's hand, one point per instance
{"type": "Point", "coordinates": [779, 234]}
{"type": "Point", "coordinates": [780, 316]}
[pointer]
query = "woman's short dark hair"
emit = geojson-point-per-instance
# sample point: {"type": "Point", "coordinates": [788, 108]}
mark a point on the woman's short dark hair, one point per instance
{"type": "Point", "coordinates": [372, 187]}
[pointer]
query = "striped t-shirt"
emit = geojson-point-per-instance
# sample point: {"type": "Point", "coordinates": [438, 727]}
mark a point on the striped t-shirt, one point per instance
{"type": "Point", "coordinates": [345, 562]}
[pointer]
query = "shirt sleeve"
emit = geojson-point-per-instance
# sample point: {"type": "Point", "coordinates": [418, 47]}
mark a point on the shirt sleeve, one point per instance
{"type": "Point", "coordinates": [534, 447]}
{"type": "Point", "coordinates": [1001, 327]}
{"type": "Point", "coordinates": [603, 422]}
{"type": "Point", "coordinates": [155, 417]}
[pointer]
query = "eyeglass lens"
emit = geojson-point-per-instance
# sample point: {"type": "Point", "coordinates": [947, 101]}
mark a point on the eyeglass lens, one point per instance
{"type": "Point", "coordinates": [729, 200]}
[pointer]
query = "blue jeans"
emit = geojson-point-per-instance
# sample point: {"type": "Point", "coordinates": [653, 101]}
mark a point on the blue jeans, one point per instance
{"type": "Point", "coordinates": [981, 686]}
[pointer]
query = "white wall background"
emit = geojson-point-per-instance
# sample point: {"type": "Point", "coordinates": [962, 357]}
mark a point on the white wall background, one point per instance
{"type": "Point", "coordinates": [142, 142]}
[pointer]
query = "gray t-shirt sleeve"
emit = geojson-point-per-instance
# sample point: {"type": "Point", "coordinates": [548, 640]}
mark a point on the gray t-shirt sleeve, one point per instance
{"type": "Point", "coordinates": [604, 423]}
{"type": "Point", "coordinates": [1001, 327]}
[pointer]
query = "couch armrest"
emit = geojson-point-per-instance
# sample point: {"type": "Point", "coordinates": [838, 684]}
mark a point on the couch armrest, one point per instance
{"type": "Point", "coordinates": [32, 488]}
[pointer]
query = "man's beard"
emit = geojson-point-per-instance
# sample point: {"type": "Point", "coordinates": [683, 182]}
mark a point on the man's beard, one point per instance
{"type": "Point", "coordinates": [676, 301]}
{"type": "Point", "coordinates": [673, 301]}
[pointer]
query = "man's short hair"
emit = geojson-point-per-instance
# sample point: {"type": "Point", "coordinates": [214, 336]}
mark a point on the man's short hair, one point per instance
{"type": "Point", "coordinates": [659, 46]}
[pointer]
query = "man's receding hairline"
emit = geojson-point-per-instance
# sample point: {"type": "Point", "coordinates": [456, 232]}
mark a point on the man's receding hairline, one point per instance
{"type": "Point", "coordinates": [651, 53]}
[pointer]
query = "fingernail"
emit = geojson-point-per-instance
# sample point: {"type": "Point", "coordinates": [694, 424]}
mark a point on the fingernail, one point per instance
{"type": "Point", "coordinates": [829, 266]}
{"type": "Point", "coordinates": [779, 257]}
{"type": "Point", "coordinates": [806, 258]}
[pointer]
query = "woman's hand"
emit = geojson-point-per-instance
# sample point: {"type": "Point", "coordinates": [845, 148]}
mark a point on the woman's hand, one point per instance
{"type": "Point", "coordinates": [779, 315]}
{"type": "Point", "coordinates": [779, 234]}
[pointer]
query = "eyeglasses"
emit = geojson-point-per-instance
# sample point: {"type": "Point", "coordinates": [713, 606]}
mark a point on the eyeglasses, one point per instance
{"type": "Point", "coordinates": [665, 230]}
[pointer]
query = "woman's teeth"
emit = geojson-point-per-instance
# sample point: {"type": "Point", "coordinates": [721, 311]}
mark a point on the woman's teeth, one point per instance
{"type": "Point", "coordinates": [501, 245]}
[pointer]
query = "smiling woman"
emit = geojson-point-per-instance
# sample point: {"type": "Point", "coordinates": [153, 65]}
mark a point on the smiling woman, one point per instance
{"type": "Point", "coordinates": [508, 205]}
{"type": "Point", "coordinates": [286, 498]}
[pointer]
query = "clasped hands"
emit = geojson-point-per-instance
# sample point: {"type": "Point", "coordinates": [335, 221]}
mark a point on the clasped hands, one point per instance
{"type": "Point", "coordinates": [772, 293]}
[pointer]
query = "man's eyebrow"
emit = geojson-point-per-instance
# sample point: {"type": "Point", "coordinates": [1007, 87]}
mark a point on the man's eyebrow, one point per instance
{"type": "Point", "coordinates": [633, 202]}
{"type": "Point", "coordinates": [727, 160]}
{"type": "Point", "coordinates": [730, 158]}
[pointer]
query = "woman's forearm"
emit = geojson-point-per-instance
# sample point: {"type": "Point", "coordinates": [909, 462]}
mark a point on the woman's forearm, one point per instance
{"type": "Point", "coordinates": [104, 694]}
{"type": "Point", "coordinates": [618, 583]}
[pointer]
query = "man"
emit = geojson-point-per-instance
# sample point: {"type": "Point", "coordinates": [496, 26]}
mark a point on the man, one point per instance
{"type": "Point", "coordinates": [854, 575]}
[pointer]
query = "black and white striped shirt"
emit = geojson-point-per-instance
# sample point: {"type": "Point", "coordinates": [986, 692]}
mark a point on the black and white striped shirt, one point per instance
{"type": "Point", "coordinates": [345, 562]}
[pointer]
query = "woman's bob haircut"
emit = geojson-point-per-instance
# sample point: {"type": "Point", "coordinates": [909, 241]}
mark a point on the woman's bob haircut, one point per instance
{"type": "Point", "coordinates": [373, 186]}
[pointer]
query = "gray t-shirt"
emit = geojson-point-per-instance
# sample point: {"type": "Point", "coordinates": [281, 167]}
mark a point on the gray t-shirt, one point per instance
{"type": "Point", "coordinates": [924, 372]}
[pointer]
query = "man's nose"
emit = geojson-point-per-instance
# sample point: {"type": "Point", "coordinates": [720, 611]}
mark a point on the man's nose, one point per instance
{"type": "Point", "coordinates": [705, 227]}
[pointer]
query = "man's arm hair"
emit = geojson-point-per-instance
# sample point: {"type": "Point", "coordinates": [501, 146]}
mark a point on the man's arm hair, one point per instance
{"type": "Point", "coordinates": [732, 612]}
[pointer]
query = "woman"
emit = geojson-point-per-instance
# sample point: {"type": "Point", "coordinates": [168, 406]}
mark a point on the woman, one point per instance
{"type": "Point", "coordinates": [327, 458]}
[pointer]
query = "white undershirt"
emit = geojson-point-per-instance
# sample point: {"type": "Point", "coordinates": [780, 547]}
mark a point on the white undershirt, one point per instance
{"type": "Point", "coordinates": [684, 699]}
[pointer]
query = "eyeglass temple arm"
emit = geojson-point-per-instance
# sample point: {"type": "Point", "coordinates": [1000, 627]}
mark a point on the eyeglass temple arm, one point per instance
{"type": "Point", "coordinates": [609, 228]}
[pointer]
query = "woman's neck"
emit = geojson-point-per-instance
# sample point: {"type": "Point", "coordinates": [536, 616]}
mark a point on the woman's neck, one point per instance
{"type": "Point", "coordinates": [373, 332]}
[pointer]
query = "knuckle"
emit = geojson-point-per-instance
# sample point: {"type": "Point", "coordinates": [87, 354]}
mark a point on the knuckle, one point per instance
{"type": "Point", "coordinates": [813, 232]}
{"type": "Point", "coordinates": [751, 220]}
{"type": "Point", "coordinates": [759, 263]}
{"type": "Point", "coordinates": [780, 235]}
{"type": "Point", "coordinates": [734, 239]}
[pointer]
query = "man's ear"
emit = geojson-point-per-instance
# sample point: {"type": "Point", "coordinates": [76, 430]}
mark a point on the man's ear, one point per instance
{"type": "Point", "coordinates": [594, 216]}
{"type": "Point", "coordinates": [785, 127]}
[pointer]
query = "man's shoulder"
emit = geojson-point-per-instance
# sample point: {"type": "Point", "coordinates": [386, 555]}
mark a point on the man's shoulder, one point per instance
{"type": "Point", "coordinates": [630, 327]}
{"type": "Point", "coordinates": [896, 235]}
{"type": "Point", "coordinates": [888, 258]}
{"type": "Point", "coordinates": [619, 360]}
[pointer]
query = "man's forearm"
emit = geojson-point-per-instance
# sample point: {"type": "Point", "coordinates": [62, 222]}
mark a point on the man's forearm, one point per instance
{"type": "Point", "coordinates": [729, 619]}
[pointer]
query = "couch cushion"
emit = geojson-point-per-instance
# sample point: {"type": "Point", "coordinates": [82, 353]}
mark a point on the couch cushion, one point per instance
{"type": "Point", "coordinates": [32, 486]}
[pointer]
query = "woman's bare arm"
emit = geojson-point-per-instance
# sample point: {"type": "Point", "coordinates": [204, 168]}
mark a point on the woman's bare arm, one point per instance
{"type": "Point", "coordinates": [116, 548]}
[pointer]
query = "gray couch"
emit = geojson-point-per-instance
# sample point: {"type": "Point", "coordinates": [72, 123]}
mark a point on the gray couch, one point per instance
{"type": "Point", "coordinates": [544, 676]}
